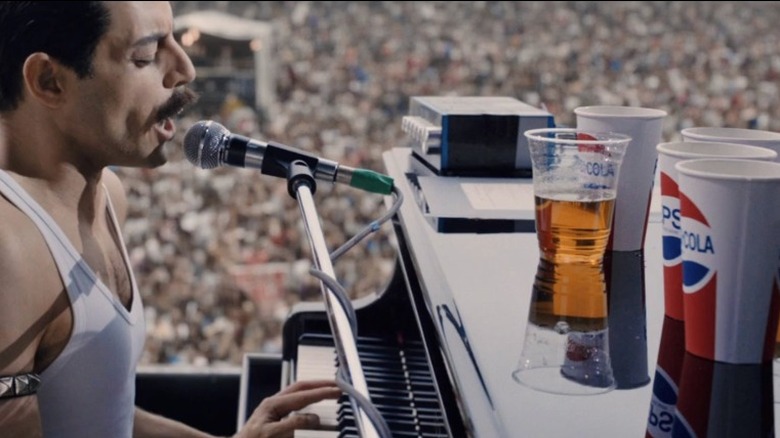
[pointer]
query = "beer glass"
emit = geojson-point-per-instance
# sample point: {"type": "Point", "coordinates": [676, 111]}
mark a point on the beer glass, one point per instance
{"type": "Point", "coordinates": [575, 174]}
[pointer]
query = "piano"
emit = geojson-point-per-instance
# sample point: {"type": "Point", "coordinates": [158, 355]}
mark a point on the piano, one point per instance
{"type": "Point", "coordinates": [440, 342]}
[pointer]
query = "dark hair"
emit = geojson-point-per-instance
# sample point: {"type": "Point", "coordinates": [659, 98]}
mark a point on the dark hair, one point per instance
{"type": "Point", "coordinates": [67, 31]}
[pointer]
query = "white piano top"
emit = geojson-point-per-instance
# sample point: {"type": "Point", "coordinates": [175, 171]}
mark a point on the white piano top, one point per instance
{"type": "Point", "coordinates": [487, 283]}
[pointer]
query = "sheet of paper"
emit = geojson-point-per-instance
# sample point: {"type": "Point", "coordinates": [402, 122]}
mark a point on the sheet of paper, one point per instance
{"type": "Point", "coordinates": [499, 196]}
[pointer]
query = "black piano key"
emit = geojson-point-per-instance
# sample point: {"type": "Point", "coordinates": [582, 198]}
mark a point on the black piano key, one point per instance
{"type": "Point", "coordinates": [377, 384]}
{"type": "Point", "coordinates": [409, 351]}
{"type": "Point", "coordinates": [411, 416]}
{"type": "Point", "coordinates": [401, 401]}
{"type": "Point", "coordinates": [415, 395]}
{"type": "Point", "coordinates": [386, 343]}
{"type": "Point", "coordinates": [346, 416]}
{"type": "Point", "coordinates": [395, 360]}
{"type": "Point", "coordinates": [434, 434]}
{"type": "Point", "coordinates": [391, 352]}
{"type": "Point", "coordinates": [386, 361]}
{"type": "Point", "coordinates": [393, 369]}
{"type": "Point", "coordinates": [397, 384]}
{"type": "Point", "coordinates": [400, 386]}
{"type": "Point", "coordinates": [319, 339]}
{"type": "Point", "coordinates": [398, 417]}
{"type": "Point", "coordinates": [349, 432]}
{"type": "Point", "coordinates": [433, 431]}
{"type": "Point", "coordinates": [380, 368]}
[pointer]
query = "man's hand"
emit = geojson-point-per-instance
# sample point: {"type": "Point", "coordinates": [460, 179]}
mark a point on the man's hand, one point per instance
{"type": "Point", "coordinates": [271, 419]}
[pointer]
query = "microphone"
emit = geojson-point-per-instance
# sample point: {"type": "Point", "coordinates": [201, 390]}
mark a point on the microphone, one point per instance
{"type": "Point", "coordinates": [208, 144]}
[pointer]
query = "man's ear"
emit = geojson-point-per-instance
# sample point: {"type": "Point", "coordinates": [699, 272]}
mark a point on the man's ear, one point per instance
{"type": "Point", "coordinates": [44, 79]}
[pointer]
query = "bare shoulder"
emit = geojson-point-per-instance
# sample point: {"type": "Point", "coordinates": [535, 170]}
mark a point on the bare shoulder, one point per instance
{"type": "Point", "coordinates": [29, 286]}
{"type": "Point", "coordinates": [117, 193]}
{"type": "Point", "coordinates": [21, 247]}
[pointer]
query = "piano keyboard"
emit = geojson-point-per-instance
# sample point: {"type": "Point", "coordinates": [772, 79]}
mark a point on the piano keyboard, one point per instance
{"type": "Point", "coordinates": [399, 381]}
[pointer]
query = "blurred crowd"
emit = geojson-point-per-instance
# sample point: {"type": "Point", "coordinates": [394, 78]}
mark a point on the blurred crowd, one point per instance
{"type": "Point", "coordinates": [221, 255]}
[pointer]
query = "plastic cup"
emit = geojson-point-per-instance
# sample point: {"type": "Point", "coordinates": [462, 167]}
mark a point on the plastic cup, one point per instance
{"type": "Point", "coordinates": [575, 174]}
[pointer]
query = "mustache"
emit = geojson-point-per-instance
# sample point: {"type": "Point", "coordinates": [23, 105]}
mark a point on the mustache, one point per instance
{"type": "Point", "coordinates": [181, 99]}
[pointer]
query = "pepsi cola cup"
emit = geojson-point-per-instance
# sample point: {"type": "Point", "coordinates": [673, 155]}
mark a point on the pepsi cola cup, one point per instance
{"type": "Point", "coordinates": [635, 185]}
{"type": "Point", "coordinates": [669, 154]}
{"type": "Point", "coordinates": [752, 137]}
{"type": "Point", "coordinates": [730, 239]}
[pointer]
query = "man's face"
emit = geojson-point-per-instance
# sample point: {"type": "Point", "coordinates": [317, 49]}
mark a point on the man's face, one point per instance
{"type": "Point", "coordinates": [122, 114]}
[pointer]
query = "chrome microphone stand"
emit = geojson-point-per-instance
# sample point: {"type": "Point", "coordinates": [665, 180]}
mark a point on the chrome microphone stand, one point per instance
{"type": "Point", "coordinates": [301, 186]}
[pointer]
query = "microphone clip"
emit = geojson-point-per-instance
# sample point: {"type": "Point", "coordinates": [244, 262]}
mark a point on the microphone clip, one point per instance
{"type": "Point", "coordinates": [299, 173]}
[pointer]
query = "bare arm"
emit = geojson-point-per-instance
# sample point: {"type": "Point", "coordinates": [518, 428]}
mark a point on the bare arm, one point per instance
{"type": "Point", "coordinates": [20, 417]}
{"type": "Point", "coordinates": [27, 309]}
{"type": "Point", "coordinates": [270, 419]}
{"type": "Point", "coordinates": [19, 337]}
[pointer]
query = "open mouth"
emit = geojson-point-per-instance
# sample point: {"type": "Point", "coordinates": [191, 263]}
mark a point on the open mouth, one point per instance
{"type": "Point", "coordinates": [165, 129]}
{"type": "Point", "coordinates": [179, 100]}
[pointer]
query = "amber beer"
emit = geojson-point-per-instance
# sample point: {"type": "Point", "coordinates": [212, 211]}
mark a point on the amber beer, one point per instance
{"type": "Point", "coordinates": [570, 285]}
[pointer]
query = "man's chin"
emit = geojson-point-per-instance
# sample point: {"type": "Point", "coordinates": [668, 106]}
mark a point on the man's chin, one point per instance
{"type": "Point", "coordinates": [159, 156]}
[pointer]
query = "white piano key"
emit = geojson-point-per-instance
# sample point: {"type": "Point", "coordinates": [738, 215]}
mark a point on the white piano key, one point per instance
{"type": "Point", "coordinates": [316, 363]}
{"type": "Point", "coordinates": [300, 433]}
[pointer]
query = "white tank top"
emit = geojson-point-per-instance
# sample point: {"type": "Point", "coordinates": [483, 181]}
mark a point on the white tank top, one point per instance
{"type": "Point", "coordinates": [89, 389]}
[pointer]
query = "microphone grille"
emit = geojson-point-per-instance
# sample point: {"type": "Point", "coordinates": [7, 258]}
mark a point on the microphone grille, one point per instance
{"type": "Point", "coordinates": [203, 144]}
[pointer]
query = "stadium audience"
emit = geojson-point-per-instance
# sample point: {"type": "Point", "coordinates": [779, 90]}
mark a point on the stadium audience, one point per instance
{"type": "Point", "coordinates": [221, 255]}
